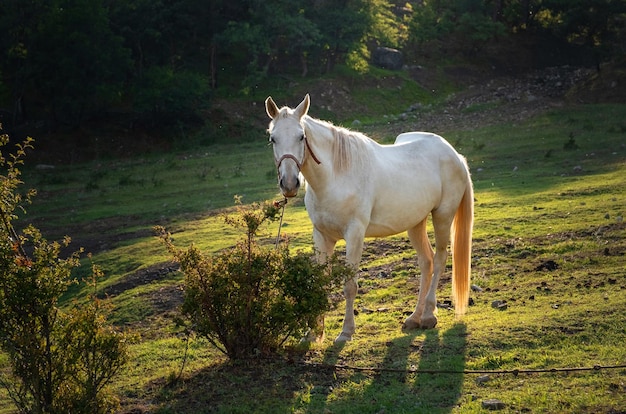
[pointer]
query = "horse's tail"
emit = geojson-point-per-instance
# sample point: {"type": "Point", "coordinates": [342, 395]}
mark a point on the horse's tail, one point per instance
{"type": "Point", "coordinates": [462, 249]}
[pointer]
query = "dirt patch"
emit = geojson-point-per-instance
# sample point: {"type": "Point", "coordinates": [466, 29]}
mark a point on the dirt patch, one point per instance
{"type": "Point", "coordinates": [505, 99]}
{"type": "Point", "coordinates": [606, 85]}
{"type": "Point", "coordinates": [143, 276]}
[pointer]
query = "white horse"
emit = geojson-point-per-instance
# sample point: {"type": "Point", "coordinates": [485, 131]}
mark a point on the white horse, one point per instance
{"type": "Point", "coordinates": [357, 188]}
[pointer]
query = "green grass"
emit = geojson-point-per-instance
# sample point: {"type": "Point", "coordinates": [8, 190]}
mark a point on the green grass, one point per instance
{"type": "Point", "coordinates": [151, 188]}
{"type": "Point", "coordinates": [538, 201]}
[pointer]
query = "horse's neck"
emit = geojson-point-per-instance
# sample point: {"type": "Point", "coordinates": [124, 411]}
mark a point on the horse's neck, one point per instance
{"type": "Point", "coordinates": [320, 136]}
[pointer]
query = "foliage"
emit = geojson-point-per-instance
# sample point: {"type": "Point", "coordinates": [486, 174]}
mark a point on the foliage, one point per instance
{"type": "Point", "coordinates": [598, 24]}
{"type": "Point", "coordinates": [462, 24]}
{"type": "Point", "coordinates": [61, 361]}
{"type": "Point", "coordinates": [164, 97]}
{"type": "Point", "coordinates": [67, 51]}
{"type": "Point", "coordinates": [249, 300]}
{"type": "Point", "coordinates": [68, 61]}
{"type": "Point", "coordinates": [349, 28]}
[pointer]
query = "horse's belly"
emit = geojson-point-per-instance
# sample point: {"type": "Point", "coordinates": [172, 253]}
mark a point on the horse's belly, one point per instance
{"type": "Point", "coordinates": [394, 223]}
{"type": "Point", "coordinates": [391, 212]}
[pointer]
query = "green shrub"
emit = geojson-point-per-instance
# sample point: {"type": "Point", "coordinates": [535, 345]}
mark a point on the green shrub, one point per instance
{"type": "Point", "coordinates": [60, 360]}
{"type": "Point", "coordinates": [249, 299]}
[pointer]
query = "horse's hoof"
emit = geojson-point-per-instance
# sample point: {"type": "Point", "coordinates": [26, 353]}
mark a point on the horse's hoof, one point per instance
{"type": "Point", "coordinates": [429, 322]}
{"type": "Point", "coordinates": [313, 338]}
{"type": "Point", "coordinates": [410, 324]}
{"type": "Point", "coordinates": [343, 337]}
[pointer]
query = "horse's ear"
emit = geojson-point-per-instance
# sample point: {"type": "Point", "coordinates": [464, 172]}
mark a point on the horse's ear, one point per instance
{"type": "Point", "coordinates": [303, 108]}
{"type": "Point", "coordinates": [271, 108]}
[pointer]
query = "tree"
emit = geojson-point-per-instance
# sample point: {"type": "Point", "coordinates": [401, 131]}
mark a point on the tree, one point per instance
{"type": "Point", "coordinates": [349, 27]}
{"type": "Point", "coordinates": [273, 33]}
{"type": "Point", "coordinates": [19, 21]}
{"type": "Point", "coordinates": [64, 53]}
{"type": "Point", "coordinates": [596, 24]}
{"type": "Point", "coordinates": [464, 25]}
{"type": "Point", "coordinates": [84, 65]}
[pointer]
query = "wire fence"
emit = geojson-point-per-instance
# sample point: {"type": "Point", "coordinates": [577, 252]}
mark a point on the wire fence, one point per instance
{"type": "Point", "coordinates": [514, 372]}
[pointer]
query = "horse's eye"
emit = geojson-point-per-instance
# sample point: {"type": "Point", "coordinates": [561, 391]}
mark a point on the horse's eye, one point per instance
{"type": "Point", "coordinates": [272, 140]}
{"type": "Point", "coordinates": [301, 137]}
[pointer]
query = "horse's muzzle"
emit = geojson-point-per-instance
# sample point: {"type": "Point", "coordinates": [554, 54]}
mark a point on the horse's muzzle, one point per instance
{"type": "Point", "coordinates": [289, 187]}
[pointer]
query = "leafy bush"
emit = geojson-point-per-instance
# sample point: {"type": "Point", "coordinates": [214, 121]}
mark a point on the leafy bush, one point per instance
{"type": "Point", "coordinates": [249, 300]}
{"type": "Point", "coordinates": [61, 360]}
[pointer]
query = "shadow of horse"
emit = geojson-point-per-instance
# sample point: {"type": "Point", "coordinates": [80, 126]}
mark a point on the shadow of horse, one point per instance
{"type": "Point", "coordinates": [400, 386]}
{"type": "Point", "coordinates": [283, 385]}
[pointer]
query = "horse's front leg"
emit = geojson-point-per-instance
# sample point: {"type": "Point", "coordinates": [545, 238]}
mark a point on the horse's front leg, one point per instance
{"type": "Point", "coordinates": [324, 247]}
{"type": "Point", "coordinates": [354, 250]}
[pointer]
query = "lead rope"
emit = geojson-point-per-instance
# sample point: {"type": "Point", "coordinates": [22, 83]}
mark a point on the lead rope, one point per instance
{"type": "Point", "coordinates": [281, 204]}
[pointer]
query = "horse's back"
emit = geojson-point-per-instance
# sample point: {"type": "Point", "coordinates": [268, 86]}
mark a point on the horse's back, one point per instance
{"type": "Point", "coordinates": [429, 145]}
{"type": "Point", "coordinates": [421, 138]}
{"type": "Point", "coordinates": [414, 136]}
{"type": "Point", "coordinates": [437, 160]}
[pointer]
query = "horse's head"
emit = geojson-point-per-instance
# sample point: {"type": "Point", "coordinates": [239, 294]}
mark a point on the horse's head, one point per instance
{"type": "Point", "coordinates": [289, 143]}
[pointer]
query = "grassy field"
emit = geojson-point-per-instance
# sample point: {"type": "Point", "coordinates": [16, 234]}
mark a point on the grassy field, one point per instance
{"type": "Point", "coordinates": [549, 242]}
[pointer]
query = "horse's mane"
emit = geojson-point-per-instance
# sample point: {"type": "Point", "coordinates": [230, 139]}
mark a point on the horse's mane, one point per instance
{"type": "Point", "coordinates": [349, 148]}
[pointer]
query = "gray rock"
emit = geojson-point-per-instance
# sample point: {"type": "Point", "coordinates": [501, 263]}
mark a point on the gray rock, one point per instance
{"type": "Point", "coordinates": [499, 304]}
{"type": "Point", "coordinates": [387, 58]}
{"type": "Point", "coordinates": [493, 404]}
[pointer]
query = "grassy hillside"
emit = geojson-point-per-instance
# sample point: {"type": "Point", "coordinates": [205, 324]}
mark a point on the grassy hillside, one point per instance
{"type": "Point", "coordinates": [549, 243]}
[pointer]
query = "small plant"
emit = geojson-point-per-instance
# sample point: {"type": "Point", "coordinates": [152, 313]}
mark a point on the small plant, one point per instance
{"type": "Point", "coordinates": [61, 360]}
{"type": "Point", "coordinates": [249, 300]}
{"type": "Point", "coordinates": [570, 144]}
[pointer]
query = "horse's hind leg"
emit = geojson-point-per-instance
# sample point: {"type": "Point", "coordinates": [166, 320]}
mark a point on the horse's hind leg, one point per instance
{"type": "Point", "coordinates": [419, 239]}
{"type": "Point", "coordinates": [441, 224]}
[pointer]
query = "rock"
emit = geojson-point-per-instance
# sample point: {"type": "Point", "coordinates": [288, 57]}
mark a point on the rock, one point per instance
{"type": "Point", "coordinates": [493, 404]}
{"type": "Point", "coordinates": [499, 304]}
{"type": "Point", "coordinates": [42, 167]}
{"type": "Point", "coordinates": [414, 107]}
{"type": "Point", "coordinates": [548, 265]}
{"type": "Point", "coordinates": [482, 379]}
{"type": "Point", "coordinates": [387, 58]}
{"type": "Point", "coordinates": [476, 288]}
